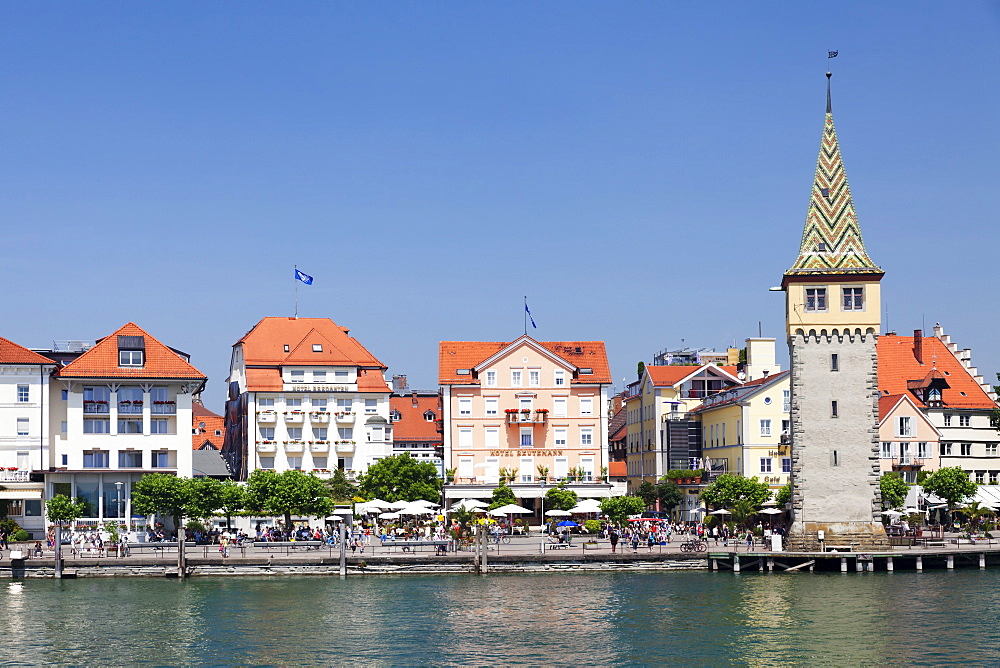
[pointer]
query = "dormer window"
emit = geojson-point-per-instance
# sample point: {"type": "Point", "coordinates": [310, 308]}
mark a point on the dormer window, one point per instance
{"type": "Point", "coordinates": [429, 416]}
{"type": "Point", "coordinates": [396, 415]}
{"type": "Point", "coordinates": [129, 358]}
{"type": "Point", "coordinates": [286, 347]}
{"type": "Point", "coordinates": [130, 350]}
{"type": "Point", "coordinates": [317, 347]}
{"type": "Point", "coordinates": [933, 396]}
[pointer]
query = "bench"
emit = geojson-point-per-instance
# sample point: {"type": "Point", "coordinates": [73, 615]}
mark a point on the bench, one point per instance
{"type": "Point", "coordinates": [406, 545]}
{"type": "Point", "coordinates": [554, 546]}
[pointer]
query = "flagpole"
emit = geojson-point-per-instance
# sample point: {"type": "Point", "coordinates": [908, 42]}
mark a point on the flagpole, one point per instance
{"type": "Point", "coordinates": [296, 279]}
{"type": "Point", "coordinates": [525, 314]}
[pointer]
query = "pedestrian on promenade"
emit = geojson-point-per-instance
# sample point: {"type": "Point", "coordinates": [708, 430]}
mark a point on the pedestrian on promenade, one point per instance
{"type": "Point", "coordinates": [650, 540]}
{"type": "Point", "coordinates": [613, 537]}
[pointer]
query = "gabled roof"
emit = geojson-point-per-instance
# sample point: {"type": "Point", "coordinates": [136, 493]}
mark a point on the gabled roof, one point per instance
{"type": "Point", "coordinates": [372, 381]}
{"type": "Point", "coordinates": [159, 361]}
{"type": "Point", "coordinates": [213, 422]}
{"type": "Point", "coordinates": [666, 376]}
{"type": "Point", "coordinates": [831, 238]}
{"type": "Point", "coordinates": [898, 367]}
{"type": "Point", "coordinates": [617, 469]}
{"type": "Point", "coordinates": [413, 426]}
{"type": "Point", "coordinates": [734, 395]}
{"type": "Point", "coordinates": [265, 344]}
{"type": "Point", "coordinates": [12, 353]}
{"type": "Point", "coordinates": [618, 425]}
{"type": "Point", "coordinates": [454, 355]}
{"type": "Point", "coordinates": [887, 405]}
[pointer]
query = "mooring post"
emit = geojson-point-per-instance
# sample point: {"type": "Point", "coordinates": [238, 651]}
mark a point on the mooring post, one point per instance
{"type": "Point", "coordinates": [483, 567]}
{"type": "Point", "coordinates": [858, 566]}
{"type": "Point", "coordinates": [343, 550]}
{"type": "Point", "coordinates": [982, 560]}
{"type": "Point", "coordinates": [770, 564]}
{"type": "Point", "coordinates": [951, 561]}
{"type": "Point", "coordinates": [736, 563]}
{"type": "Point", "coordinates": [843, 564]}
{"type": "Point", "coordinates": [920, 563]}
{"type": "Point", "coordinates": [888, 564]}
{"type": "Point", "coordinates": [714, 564]}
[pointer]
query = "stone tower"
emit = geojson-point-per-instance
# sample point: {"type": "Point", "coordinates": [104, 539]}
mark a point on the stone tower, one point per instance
{"type": "Point", "coordinates": [832, 309]}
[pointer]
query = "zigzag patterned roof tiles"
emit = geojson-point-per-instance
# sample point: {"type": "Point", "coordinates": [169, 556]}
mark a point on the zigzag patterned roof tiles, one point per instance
{"type": "Point", "coordinates": [831, 238]}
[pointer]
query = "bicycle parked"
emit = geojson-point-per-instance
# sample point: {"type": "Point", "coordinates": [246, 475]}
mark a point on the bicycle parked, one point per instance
{"type": "Point", "coordinates": [694, 546]}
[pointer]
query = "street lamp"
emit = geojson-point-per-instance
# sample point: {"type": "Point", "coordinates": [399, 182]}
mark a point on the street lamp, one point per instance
{"type": "Point", "coordinates": [118, 503]}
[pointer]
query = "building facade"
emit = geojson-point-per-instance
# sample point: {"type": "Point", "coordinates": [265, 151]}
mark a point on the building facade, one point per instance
{"type": "Point", "coordinates": [303, 394]}
{"type": "Point", "coordinates": [417, 426]}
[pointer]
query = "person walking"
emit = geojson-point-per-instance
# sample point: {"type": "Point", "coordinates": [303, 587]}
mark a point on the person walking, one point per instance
{"type": "Point", "coordinates": [613, 537]}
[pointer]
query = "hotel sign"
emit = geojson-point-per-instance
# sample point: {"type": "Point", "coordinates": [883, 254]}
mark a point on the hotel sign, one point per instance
{"type": "Point", "coordinates": [525, 453]}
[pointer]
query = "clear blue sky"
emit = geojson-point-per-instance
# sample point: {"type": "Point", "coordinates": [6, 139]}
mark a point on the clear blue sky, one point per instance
{"type": "Point", "coordinates": [640, 170]}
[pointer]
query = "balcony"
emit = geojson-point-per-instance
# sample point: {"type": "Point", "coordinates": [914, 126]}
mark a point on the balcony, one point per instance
{"type": "Point", "coordinates": [527, 417]}
{"type": "Point", "coordinates": [345, 447]}
{"type": "Point", "coordinates": [319, 417]}
{"type": "Point", "coordinates": [13, 474]}
{"type": "Point", "coordinates": [786, 438]}
{"type": "Point", "coordinates": [319, 446]}
{"type": "Point", "coordinates": [267, 446]}
{"type": "Point", "coordinates": [907, 463]}
{"type": "Point", "coordinates": [267, 416]}
{"type": "Point", "coordinates": [96, 407]}
{"type": "Point", "coordinates": [295, 446]}
{"type": "Point", "coordinates": [163, 408]}
{"type": "Point", "coordinates": [295, 417]}
{"type": "Point", "coordinates": [344, 416]}
{"type": "Point", "coordinates": [130, 408]}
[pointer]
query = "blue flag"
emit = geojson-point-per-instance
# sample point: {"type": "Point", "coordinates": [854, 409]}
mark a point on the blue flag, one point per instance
{"type": "Point", "coordinates": [529, 315]}
{"type": "Point", "coordinates": [304, 277]}
{"type": "Point", "coordinates": [832, 54]}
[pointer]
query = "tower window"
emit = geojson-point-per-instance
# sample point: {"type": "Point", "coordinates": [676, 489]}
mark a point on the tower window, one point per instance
{"type": "Point", "coordinates": [854, 299]}
{"type": "Point", "coordinates": [834, 362]}
{"type": "Point", "coordinates": [834, 458]}
{"type": "Point", "coordinates": [833, 409]}
{"type": "Point", "coordinates": [815, 299]}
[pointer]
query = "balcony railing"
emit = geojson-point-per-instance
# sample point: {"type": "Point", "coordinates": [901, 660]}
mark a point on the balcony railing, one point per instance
{"type": "Point", "coordinates": [319, 416]}
{"type": "Point", "coordinates": [295, 446]}
{"type": "Point", "coordinates": [295, 416]}
{"type": "Point", "coordinates": [166, 408]}
{"type": "Point", "coordinates": [531, 417]}
{"type": "Point", "coordinates": [129, 408]}
{"type": "Point", "coordinates": [344, 416]}
{"type": "Point", "coordinates": [266, 416]}
{"type": "Point", "coordinates": [19, 475]}
{"type": "Point", "coordinates": [344, 446]}
{"type": "Point", "coordinates": [916, 462]}
{"type": "Point", "coordinates": [267, 446]}
{"type": "Point", "coordinates": [96, 407]}
{"type": "Point", "coordinates": [319, 446]}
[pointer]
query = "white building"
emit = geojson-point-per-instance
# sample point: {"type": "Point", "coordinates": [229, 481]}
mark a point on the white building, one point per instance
{"type": "Point", "coordinates": [303, 394]}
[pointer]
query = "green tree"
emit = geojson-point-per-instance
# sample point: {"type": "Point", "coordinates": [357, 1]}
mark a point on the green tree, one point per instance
{"type": "Point", "coordinates": [204, 497]}
{"type": "Point", "coordinates": [647, 492]}
{"type": "Point", "coordinates": [742, 510]}
{"type": "Point", "coordinates": [158, 493]}
{"type": "Point", "coordinates": [950, 483]}
{"type": "Point", "coordinates": [784, 495]}
{"type": "Point", "coordinates": [560, 498]}
{"type": "Point", "coordinates": [341, 489]}
{"type": "Point", "coordinates": [975, 512]}
{"type": "Point", "coordinates": [894, 490]}
{"type": "Point", "coordinates": [640, 368]}
{"type": "Point", "coordinates": [502, 496]}
{"type": "Point", "coordinates": [59, 510]}
{"type": "Point", "coordinates": [728, 488]}
{"type": "Point", "coordinates": [618, 508]}
{"type": "Point", "coordinates": [288, 493]}
{"type": "Point", "coordinates": [232, 499]}
{"type": "Point", "coordinates": [669, 493]}
{"type": "Point", "coordinates": [401, 478]}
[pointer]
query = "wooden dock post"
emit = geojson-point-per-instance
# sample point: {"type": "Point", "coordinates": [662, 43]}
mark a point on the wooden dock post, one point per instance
{"type": "Point", "coordinates": [920, 563]}
{"type": "Point", "coordinates": [888, 564]}
{"type": "Point", "coordinates": [736, 563]}
{"type": "Point", "coordinates": [858, 566]}
{"type": "Point", "coordinates": [843, 564]}
{"type": "Point", "coordinates": [951, 562]}
{"type": "Point", "coordinates": [770, 564]}
{"type": "Point", "coordinates": [982, 560]}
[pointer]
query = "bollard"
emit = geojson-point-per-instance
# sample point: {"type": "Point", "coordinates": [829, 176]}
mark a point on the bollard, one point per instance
{"type": "Point", "coordinates": [920, 563]}
{"type": "Point", "coordinates": [888, 564]}
{"type": "Point", "coordinates": [982, 560]}
{"type": "Point", "coordinates": [843, 564]}
{"type": "Point", "coordinates": [951, 561]}
{"type": "Point", "coordinates": [736, 563]}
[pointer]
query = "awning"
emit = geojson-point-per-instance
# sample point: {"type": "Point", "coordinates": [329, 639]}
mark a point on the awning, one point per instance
{"type": "Point", "coordinates": [20, 494]}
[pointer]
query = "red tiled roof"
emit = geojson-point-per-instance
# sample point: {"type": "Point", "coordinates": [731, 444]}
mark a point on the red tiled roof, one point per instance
{"type": "Point", "coordinates": [886, 403]}
{"type": "Point", "coordinates": [264, 380]}
{"type": "Point", "coordinates": [265, 344]}
{"type": "Point", "coordinates": [738, 393]}
{"type": "Point", "coordinates": [454, 355]}
{"type": "Point", "coordinates": [12, 353]}
{"type": "Point", "coordinates": [897, 365]}
{"type": "Point", "coordinates": [372, 381]}
{"type": "Point", "coordinates": [101, 361]}
{"type": "Point", "coordinates": [672, 374]}
{"type": "Point", "coordinates": [412, 426]}
{"type": "Point", "coordinates": [213, 422]}
{"type": "Point", "coordinates": [617, 469]}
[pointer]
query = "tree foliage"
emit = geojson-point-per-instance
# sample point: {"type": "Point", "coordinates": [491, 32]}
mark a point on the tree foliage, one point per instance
{"type": "Point", "coordinates": [61, 509]}
{"type": "Point", "coordinates": [618, 508]}
{"type": "Point", "coordinates": [204, 497]}
{"type": "Point", "coordinates": [647, 492]}
{"type": "Point", "coordinates": [560, 498]}
{"type": "Point", "coordinates": [159, 493]}
{"type": "Point", "coordinates": [669, 493]}
{"type": "Point", "coordinates": [728, 488]}
{"type": "Point", "coordinates": [784, 495]}
{"type": "Point", "coordinates": [401, 478]}
{"type": "Point", "coordinates": [502, 496]}
{"type": "Point", "coordinates": [288, 493]}
{"type": "Point", "coordinates": [950, 483]}
{"type": "Point", "coordinates": [341, 489]}
{"type": "Point", "coordinates": [894, 490]}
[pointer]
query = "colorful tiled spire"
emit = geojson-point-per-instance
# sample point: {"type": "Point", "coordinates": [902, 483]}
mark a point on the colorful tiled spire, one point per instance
{"type": "Point", "coordinates": [831, 239]}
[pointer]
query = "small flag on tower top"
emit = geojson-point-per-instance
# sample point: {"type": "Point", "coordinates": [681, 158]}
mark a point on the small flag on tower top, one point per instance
{"type": "Point", "coordinates": [304, 277]}
{"type": "Point", "coordinates": [832, 54]}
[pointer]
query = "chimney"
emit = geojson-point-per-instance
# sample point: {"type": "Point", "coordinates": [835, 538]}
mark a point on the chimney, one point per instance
{"type": "Point", "coordinates": [918, 345]}
{"type": "Point", "coordinates": [414, 399]}
{"type": "Point", "coordinates": [399, 385]}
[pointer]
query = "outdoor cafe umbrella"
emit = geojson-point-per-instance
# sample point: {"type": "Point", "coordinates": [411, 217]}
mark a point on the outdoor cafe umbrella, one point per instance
{"type": "Point", "coordinates": [511, 509]}
{"type": "Point", "coordinates": [720, 511]}
{"type": "Point", "coordinates": [388, 516]}
{"type": "Point", "coordinates": [586, 506]}
{"type": "Point", "coordinates": [567, 523]}
{"type": "Point", "coordinates": [892, 513]}
{"type": "Point", "coordinates": [557, 513]}
{"type": "Point", "coordinates": [771, 511]}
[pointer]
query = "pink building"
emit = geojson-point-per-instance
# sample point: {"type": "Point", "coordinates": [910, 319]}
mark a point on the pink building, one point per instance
{"type": "Point", "coordinates": [909, 440]}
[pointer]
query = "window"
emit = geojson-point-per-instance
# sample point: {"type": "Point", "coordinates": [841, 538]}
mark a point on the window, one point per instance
{"type": "Point", "coordinates": [319, 462]}
{"type": "Point", "coordinates": [375, 435]}
{"type": "Point", "coordinates": [560, 378]}
{"type": "Point", "coordinates": [994, 476]}
{"type": "Point", "coordinates": [295, 463]}
{"type": "Point", "coordinates": [345, 405]}
{"type": "Point", "coordinates": [318, 404]}
{"type": "Point", "coordinates": [465, 437]}
{"type": "Point", "coordinates": [815, 299]}
{"type": "Point", "coordinates": [63, 426]}
{"type": "Point", "coordinates": [345, 433]}
{"type": "Point", "coordinates": [559, 435]}
{"type": "Point", "coordinates": [267, 433]}
{"type": "Point", "coordinates": [95, 459]}
{"type": "Point", "coordinates": [854, 299]}
{"type": "Point", "coordinates": [980, 477]}
{"type": "Point", "coordinates": [526, 437]}
{"type": "Point", "coordinates": [947, 419]}
{"type": "Point", "coordinates": [492, 406]}
{"type": "Point", "coordinates": [295, 433]}
{"type": "Point", "coordinates": [586, 406]}
{"type": "Point", "coordinates": [964, 420]}
{"type": "Point", "coordinates": [371, 405]}
{"type": "Point", "coordinates": [32, 508]}
{"type": "Point", "coordinates": [340, 376]}
{"type": "Point", "coordinates": [492, 437]}
{"type": "Point", "coordinates": [22, 394]}
{"type": "Point", "coordinates": [64, 394]}
{"type": "Point", "coordinates": [966, 449]}
{"type": "Point", "coordinates": [765, 427]}
{"type": "Point", "coordinates": [560, 467]}
{"type": "Point", "coordinates": [525, 403]}
{"type": "Point", "coordinates": [97, 426]}
{"type": "Point", "coordinates": [765, 464]}
{"type": "Point", "coordinates": [320, 433]}
{"type": "Point", "coordinates": [886, 452]}
{"type": "Point", "coordinates": [22, 426]}
{"type": "Point", "coordinates": [130, 426]}
{"type": "Point", "coordinates": [429, 416]}
{"type": "Point", "coordinates": [534, 377]}
{"type": "Point", "coordinates": [786, 427]}
{"type": "Point", "coordinates": [834, 362]}
{"type": "Point", "coordinates": [317, 347]}
{"type": "Point", "coordinates": [833, 409]}
{"type": "Point", "coordinates": [559, 406]}
{"type": "Point", "coordinates": [787, 400]}
{"type": "Point", "coordinates": [266, 402]}
{"type": "Point", "coordinates": [515, 378]}
{"type": "Point", "coordinates": [834, 458]}
{"type": "Point", "coordinates": [904, 426]}
{"type": "Point", "coordinates": [160, 460]}
{"type": "Point", "coordinates": [129, 358]}
{"type": "Point", "coordinates": [922, 450]}
{"type": "Point", "coordinates": [293, 403]}
{"type": "Point", "coordinates": [786, 464]}
{"type": "Point", "coordinates": [267, 462]}
{"type": "Point", "coordinates": [298, 376]}
{"type": "Point", "coordinates": [946, 449]}
{"type": "Point", "coordinates": [491, 378]}
{"type": "Point", "coordinates": [319, 376]}
{"type": "Point", "coordinates": [159, 426]}
{"type": "Point", "coordinates": [586, 436]}
{"type": "Point", "coordinates": [130, 459]}
{"type": "Point", "coordinates": [527, 469]}
{"type": "Point", "coordinates": [991, 449]}
{"type": "Point", "coordinates": [464, 407]}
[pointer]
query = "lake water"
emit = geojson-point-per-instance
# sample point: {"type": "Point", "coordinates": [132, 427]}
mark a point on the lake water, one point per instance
{"type": "Point", "coordinates": [686, 618]}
